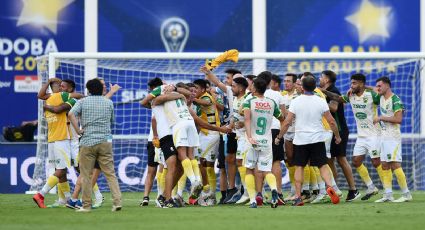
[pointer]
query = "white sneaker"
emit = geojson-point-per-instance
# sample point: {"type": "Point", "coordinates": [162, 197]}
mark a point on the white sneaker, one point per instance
{"type": "Point", "coordinates": [387, 197]}
{"type": "Point", "coordinates": [243, 200]}
{"type": "Point", "coordinates": [83, 210]}
{"type": "Point", "coordinates": [404, 198]}
{"type": "Point", "coordinates": [196, 189]}
{"type": "Point", "coordinates": [116, 208]}
{"type": "Point", "coordinates": [319, 198]}
{"type": "Point", "coordinates": [98, 203]}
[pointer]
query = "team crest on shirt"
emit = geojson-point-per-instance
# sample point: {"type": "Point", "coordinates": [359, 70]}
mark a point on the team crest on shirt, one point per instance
{"type": "Point", "coordinates": [374, 153]}
{"type": "Point", "coordinates": [365, 99]}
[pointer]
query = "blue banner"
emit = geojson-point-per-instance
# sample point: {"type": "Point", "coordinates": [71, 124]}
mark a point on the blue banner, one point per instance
{"type": "Point", "coordinates": [30, 29]}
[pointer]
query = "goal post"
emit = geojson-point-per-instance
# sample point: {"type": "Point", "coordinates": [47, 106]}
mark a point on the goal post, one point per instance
{"type": "Point", "coordinates": [132, 71]}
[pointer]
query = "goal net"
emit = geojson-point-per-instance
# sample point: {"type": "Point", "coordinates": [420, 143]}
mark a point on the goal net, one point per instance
{"type": "Point", "coordinates": [133, 71]}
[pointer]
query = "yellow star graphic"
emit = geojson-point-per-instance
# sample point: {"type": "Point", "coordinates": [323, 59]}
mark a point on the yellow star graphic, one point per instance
{"type": "Point", "coordinates": [42, 12]}
{"type": "Point", "coordinates": [370, 20]}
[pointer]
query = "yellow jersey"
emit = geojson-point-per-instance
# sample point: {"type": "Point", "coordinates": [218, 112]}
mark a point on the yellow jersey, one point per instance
{"type": "Point", "coordinates": [57, 123]}
{"type": "Point", "coordinates": [209, 113]}
{"type": "Point", "coordinates": [319, 93]}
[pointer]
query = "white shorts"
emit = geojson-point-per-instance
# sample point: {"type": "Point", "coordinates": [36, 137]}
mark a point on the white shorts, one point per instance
{"type": "Point", "coordinates": [59, 154]}
{"type": "Point", "coordinates": [185, 134]}
{"type": "Point", "coordinates": [289, 136]}
{"type": "Point", "coordinates": [243, 147]}
{"type": "Point", "coordinates": [261, 159]}
{"type": "Point", "coordinates": [391, 150]}
{"type": "Point", "coordinates": [75, 149]}
{"type": "Point", "coordinates": [209, 145]}
{"type": "Point", "coordinates": [328, 141]}
{"type": "Point", "coordinates": [367, 145]}
{"type": "Point", "coordinates": [159, 157]}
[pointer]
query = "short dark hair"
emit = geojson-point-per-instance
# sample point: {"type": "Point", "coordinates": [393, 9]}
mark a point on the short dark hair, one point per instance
{"type": "Point", "coordinates": [241, 81]}
{"type": "Point", "coordinates": [359, 77]}
{"type": "Point", "coordinates": [190, 84]}
{"type": "Point", "coordinates": [232, 71]}
{"type": "Point", "coordinates": [153, 83]}
{"type": "Point", "coordinates": [201, 82]}
{"type": "Point", "coordinates": [95, 87]}
{"type": "Point", "coordinates": [277, 79]}
{"type": "Point", "coordinates": [266, 75]}
{"type": "Point", "coordinates": [309, 83]}
{"type": "Point", "coordinates": [305, 74]}
{"type": "Point", "coordinates": [384, 79]}
{"type": "Point", "coordinates": [182, 85]}
{"type": "Point", "coordinates": [294, 76]}
{"type": "Point", "coordinates": [71, 83]}
{"type": "Point", "coordinates": [260, 85]}
{"type": "Point", "coordinates": [331, 75]}
{"type": "Point", "coordinates": [250, 77]}
{"type": "Point", "coordinates": [207, 82]}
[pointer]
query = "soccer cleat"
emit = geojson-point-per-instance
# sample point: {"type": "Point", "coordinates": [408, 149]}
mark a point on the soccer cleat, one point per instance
{"type": "Point", "coordinates": [333, 195]}
{"type": "Point", "coordinates": [298, 202]}
{"type": "Point", "coordinates": [291, 196]}
{"type": "Point", "coordinates": [229, 196]}
{"type": "Point", "coordinates": [73, 204]}
{"type": "Point", "coordinates": [39, 200]}
{"type": "Point", "coordinates": [280, 200]}
{"type": "Point", "coordinates": [57, 204]}
{"type": "Point", "coordinates": [275, 198]}
{"type": "Point", "coordinates": [243, 200]}
{"type": "Point", "coordinates": [222, 199]}
{"type": "Point", "coordinates": [259, 199]}
{"type": "Point", "coordinates": [116, 208]}
{"type": "Point", "coordinates": [170, 204]}
{"type": "Point", "coordinates": [160, 201]}
{"type": "Point", "coordinates": [404, 198]}
{"type": "Point", "coordinates": [145, 201]}
{"type": "Point", "coordinates": [178, 200]}
{"type": "Point", "coordinates": [193, 201]}
{"type": "Point", "coordinates": [233, 199]}
{"type": "Point", "coordinates": [98, 203]}
{"type": "Point", "coordinates": [196, 189]}
{"type": "Point", "coordinates": [253, 205]}
{"type": "Point", "coordinates": [370, 193]}
{"type": "Point", "coordinates": [319, 198]}
{"type": "Point", "coordinates": [305, 195]}
{"type": "Point", "coordinates": [82, 210]}
{"type": "Point", "coordinates": [387, 197]}
{"type": "Point", "coordinates": [352, 195]}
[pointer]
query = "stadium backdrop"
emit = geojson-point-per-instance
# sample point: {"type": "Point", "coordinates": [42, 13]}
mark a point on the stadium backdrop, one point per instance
{"type": "Point", "coordinates": [134, 26]}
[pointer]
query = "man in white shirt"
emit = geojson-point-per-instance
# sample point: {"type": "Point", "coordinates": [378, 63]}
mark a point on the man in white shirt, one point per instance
{"type": "Point", "coordinates": [309, 145]}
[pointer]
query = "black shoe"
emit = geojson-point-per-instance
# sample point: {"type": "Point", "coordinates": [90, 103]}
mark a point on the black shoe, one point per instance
{"type": "Point", "coordinates": [316, 192]}
{"type": "Point", "coordinates": [298, 202]}
{"type": "Point", "coordinates": [160, 201]}
{"type": "Point", "coordinates": [170, 204]}
{"type": "Point", "coordinates": [274, 201]}
{"type": "Point", "coordinates": [370, 193]}
{"type": "Point", "coordinates": [230, 194]}
{"type": "Point", "coordinates": [305, 195]}
{"type": "Point", "coordinates": [145, 201]}
{"type": "Point", "coordinates": [222, 199]}
{"type": "Point", "coordinates": [352, 195]}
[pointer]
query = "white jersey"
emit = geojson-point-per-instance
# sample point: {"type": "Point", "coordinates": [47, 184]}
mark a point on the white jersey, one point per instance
{"type": "Point", "coordinates": [365, 109]}
{"type": "Point", "coordinates": [237, 114]}
{"type": "Point", "coordinates": [388, 107]}
{"type": "Point", "coordinates": [278, 99]}
{"type": "Point", "coordinates": [287, 98]}
{"type": "Point", "coordinates": [175, 110]}
{"type": "Point", "coordinates": [309, 111]}
{"type": "Point", "coordinates": [262, 112]}
{"type": "Point", "coordinates": [162, 126]}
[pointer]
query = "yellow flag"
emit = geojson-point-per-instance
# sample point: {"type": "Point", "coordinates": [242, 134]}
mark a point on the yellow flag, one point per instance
{"type": "Point", "coordinates": [230, 55]}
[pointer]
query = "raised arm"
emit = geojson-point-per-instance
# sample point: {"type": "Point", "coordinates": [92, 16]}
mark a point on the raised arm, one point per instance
{"type": "Point", "coordinates": [113, 90]}
{"type": "Point", "coordinates": [42, 93]}
{"type": "Point", "coordinates": [213, 78]}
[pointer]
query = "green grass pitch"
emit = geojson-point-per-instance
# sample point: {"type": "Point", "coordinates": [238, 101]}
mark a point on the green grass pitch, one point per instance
{"type": "Point", "coordinates": [18, 211]}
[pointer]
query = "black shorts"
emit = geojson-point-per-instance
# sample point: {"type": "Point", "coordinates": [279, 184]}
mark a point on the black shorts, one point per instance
{"type": "Point", "coordinates": [315, 153]}
{"type": "Point", "coordinates": [339, 150]}
{"type": "Point", "coordinates": [221, 156]}
{"type": "Point", "coordinates": [151, 155]}
{"type": "Point", "coordinates": [232, 143]}
{"type": "Point", "coordinates": [167, 146]}
{"type": "Point", "coordinates": [278, 153]}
